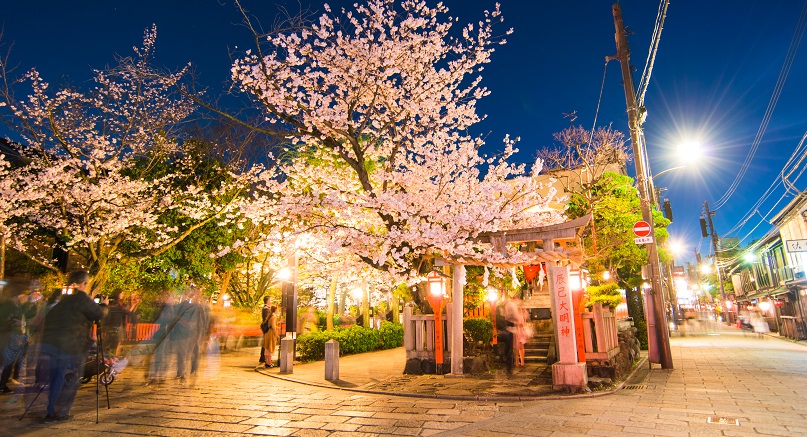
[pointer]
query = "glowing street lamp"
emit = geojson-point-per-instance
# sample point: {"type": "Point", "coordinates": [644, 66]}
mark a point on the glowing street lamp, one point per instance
{"type": "Point", "coordinates": [436, 297]}
{"type": "Point", "coordinates": [284, 274]}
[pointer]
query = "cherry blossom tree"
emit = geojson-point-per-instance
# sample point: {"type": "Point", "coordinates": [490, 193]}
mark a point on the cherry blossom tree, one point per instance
{"type": "Point", "coordinates": [376, 103]}
{"type": "Point", "coordinates": [105, 165]}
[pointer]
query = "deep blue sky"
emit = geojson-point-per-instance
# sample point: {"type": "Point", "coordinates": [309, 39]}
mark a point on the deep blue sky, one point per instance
{"type": "Point", "coordinates": [715, 72]}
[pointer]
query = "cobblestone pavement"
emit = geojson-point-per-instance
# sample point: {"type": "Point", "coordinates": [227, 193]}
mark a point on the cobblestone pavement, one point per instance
{"type": "Point", "coordinates": [722, 378]}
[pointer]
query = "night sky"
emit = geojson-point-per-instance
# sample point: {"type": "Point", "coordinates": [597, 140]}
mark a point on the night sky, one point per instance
{"type": "Point", "coordinates": [714, 76]}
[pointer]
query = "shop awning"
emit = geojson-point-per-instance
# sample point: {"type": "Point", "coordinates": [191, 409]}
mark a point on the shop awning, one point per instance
{"type": "Point", "coordinates": [764, 293]}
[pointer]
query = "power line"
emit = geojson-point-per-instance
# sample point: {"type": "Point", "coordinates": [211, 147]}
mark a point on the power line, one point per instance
{"type": "Point", "coordinates": [780, 83]}
{"type": "Point", "coordinates": [651, 53]}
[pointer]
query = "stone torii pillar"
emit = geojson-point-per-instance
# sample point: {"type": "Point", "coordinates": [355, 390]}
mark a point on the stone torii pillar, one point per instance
{"type": "Point", "coordinates": [457, 336]}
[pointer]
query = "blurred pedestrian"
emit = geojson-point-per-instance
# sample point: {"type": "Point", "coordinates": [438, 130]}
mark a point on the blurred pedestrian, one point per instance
{"type": "Point", "coordinates": [15, 311]}
{"type": "Point", "coordinates": [65, 343]}
{"type": "Point", "coordinates": [271, 337]}
{"type": "Point", "coordinates": [309, 321]}
{"type": "Point", "coordinates": [522, 333]}
{"type": "Point", "coordinates": [112, 330]}
{"type": "Point", "coordinates": [505, 326]}
{"type": "Point", "coordinates": [759, 323]}
{"type": "Point", "coordinates": [264, 315]}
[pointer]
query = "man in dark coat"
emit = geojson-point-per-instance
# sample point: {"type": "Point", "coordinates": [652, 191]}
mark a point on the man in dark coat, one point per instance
{"type": "Point", "coordinates": [65, 343]}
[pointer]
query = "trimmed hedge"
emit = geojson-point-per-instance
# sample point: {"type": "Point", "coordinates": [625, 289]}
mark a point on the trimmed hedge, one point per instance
{"type": "Point", "coordinates": [352, 340]}
{"type": "Point", "coordinates": [479, 329]}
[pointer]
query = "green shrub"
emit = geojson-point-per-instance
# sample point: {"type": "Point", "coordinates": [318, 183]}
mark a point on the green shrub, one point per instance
{"type": "Point", "coordinates": [606, 294]}
{"type": "Point", "coordinates": [392, 335]}
{"type": "Point", "coordinates": [357, 339]}
{"type": "Point", "coordinates": [479, 329]}
{"type": "Point", "coordinates": [311, 346]}
{"type": "Point", "coordinates": [352, 340]}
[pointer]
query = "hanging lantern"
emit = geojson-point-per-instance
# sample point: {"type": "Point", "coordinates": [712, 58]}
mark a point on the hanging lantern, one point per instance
{"type": "Point", "coordinates": [575, 279]}
{"type": "Point", "coordinates": [530, 272]}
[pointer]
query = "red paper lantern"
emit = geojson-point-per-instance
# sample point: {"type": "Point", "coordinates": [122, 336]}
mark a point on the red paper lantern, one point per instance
{"type": "Point", "coordinates": [530, 272]}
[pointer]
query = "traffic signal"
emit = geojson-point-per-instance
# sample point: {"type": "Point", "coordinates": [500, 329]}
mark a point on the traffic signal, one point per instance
{"type": "Point", "coordinates": [703, 228]}
{"type": "Point", "coordinates": [668, 210]}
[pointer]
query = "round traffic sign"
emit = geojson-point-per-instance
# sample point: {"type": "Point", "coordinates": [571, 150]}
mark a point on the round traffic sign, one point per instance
{"type": "Point", "coordinates": [642, 228]}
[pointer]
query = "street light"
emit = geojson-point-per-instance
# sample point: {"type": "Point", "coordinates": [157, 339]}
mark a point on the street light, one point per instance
{"type": "Point", "coordinates": [436, 297]}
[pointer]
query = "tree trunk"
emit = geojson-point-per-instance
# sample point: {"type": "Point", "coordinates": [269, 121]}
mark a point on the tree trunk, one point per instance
{"type": "Point", "coordinates": [99, 272]}
{"type": "Point", "coordinates": [2, 257]}
{"type": "Point", "coordinates": [365, 306]}
{"type": "Point", "coordinates": [393, 306]}
{"type": "Point", "coordinates": [225, 284]}
{"type": "Point", "coordinates": [342, 297]}
{"type": "Point", "coordinates": [329, 302]}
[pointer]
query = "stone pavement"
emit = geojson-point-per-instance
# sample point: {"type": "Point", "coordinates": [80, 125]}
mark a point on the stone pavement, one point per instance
{"type": "Point", "coordinates": [725, 383]}
{"type": "Point", "coordinates": [382, 373]}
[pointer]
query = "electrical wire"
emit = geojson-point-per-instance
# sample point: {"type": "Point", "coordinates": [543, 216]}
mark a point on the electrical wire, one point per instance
{"type": "Point", "coordinates": [651, 53]}
{"type": "Point", "coordinates": [795, 162]}
{"type": "Point", "coordinates": [780, 83]}
{"type": "Point", "coordinates": [599, 100]}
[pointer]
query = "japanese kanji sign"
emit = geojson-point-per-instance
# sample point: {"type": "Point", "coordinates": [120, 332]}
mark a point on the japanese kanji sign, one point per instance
{"type": "Point", "coordinates": [561, 294]}
{"type": "Point", "coordinates": [796, 245]}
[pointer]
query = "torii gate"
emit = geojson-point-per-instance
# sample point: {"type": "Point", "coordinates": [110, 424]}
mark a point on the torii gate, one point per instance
{"type": "Point", "coordinates": [567, 372]}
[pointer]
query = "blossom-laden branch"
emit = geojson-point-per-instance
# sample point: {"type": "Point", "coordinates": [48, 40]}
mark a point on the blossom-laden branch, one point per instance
{"type": "Point", "coordinates": [376, 104]}
{"type": "Point", "coordinates": [104, 165]}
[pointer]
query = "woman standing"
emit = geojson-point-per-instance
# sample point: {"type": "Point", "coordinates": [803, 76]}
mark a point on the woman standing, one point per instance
{"type": "Point", "coordinates": [271, 337]}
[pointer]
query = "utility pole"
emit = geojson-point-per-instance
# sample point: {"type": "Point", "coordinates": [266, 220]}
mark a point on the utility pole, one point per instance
{"type": "Point", "coordinates": [657, 325]}
{"type": "Point", "coordinates": [715, 244]}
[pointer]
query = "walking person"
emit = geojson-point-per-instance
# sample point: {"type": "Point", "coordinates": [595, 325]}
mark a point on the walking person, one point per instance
{"type": "Point", "coordinates": [65, 343]}
{"type": "Point", "coordinates": [16, 310]}
{"type": "Point", "coordinates": [504, 325]}
{"type": "Point", "coordinates": [271, 337]}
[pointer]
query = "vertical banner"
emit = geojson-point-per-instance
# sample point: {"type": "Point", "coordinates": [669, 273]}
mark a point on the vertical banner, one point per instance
{"type": "Point", "coordinates": [562, 313]}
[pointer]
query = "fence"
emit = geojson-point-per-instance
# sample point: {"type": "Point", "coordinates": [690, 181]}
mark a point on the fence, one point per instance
{"type": "Point", "coordinates": [792, 327]}
{"type": "Point", "coordinates": [146, 331]}
{"type": "Point", "coordinates": [600, 334]}
{"type": "Point", "coordinates": [419, 334]}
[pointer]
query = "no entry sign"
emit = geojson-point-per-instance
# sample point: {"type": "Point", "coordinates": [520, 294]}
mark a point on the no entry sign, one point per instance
{"type": "Point", "coordinates": [642, 228]}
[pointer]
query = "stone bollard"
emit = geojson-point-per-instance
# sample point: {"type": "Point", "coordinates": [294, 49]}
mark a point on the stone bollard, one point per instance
{"type": "Point", "coordinates": [331, 360]}
{"type": "Point", "coordinates": [287, 355]}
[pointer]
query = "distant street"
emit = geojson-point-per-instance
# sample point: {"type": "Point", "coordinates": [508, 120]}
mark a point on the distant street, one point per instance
{"type": "Point", "coordinates": [723, 377]}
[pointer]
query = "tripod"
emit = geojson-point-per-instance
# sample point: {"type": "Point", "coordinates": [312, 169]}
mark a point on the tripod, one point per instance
{"type": "Point", "coordinates": [100, 363]}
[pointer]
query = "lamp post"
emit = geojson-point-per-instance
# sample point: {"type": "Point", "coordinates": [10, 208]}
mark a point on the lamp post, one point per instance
{"type": "Point", "coordinates": [436, 298]}
{"type": "Point", "coordinates": [577, 283]}
{"type": "Point", "coordinates": [288, 277]}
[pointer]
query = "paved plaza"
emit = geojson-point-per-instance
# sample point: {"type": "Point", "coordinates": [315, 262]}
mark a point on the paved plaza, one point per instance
{"type": "Point", "coordinates": [725, 383]}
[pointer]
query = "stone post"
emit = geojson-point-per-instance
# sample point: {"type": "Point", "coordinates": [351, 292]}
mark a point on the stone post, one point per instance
{"type": "Point", "coordinates": [331, 360]}
{"type": "Point", "coordinates": [457, 337]}
{"type": "Point", "coordinates": [287, 355]}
